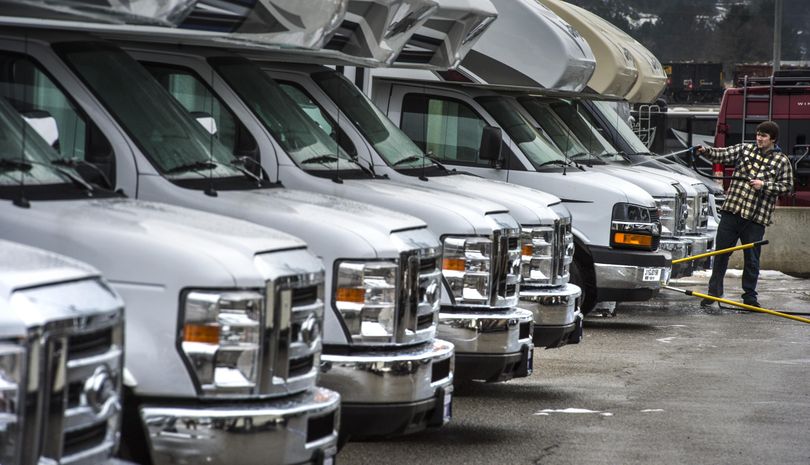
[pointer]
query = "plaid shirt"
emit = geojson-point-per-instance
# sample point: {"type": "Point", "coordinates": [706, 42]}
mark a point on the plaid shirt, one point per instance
{"type": "Point", "coordinates": [772, 167]}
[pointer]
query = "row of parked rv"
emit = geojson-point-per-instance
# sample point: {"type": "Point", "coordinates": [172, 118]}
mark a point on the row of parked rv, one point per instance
{"type": "Point", "coordinates": [302, 262]}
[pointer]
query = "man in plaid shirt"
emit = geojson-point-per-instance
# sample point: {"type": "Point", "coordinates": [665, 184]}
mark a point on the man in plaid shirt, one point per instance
{"type": "Point", "coordinates": [761, 173]}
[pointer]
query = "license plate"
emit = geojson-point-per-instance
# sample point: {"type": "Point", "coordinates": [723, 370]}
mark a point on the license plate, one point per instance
{"type": "Point", "coordinates": [652, 274]}
{"type": "Point", "coordinates": [448, 406]}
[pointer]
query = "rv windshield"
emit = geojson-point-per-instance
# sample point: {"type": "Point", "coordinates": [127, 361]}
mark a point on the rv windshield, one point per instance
{"type": "Point", "coordinates": [625, 131]}
{"type": "Point", "coordinates": [25, 158]}
{"type": "Point", "coordinates": [388, 140]}
{"type": "Point", "coordinates": [551, 124]}
{"type": "Point", "coordinates": [309, 146]}
{"type": "Point", "coordinates": [537, 148]}
{"type": "Point", "coordinates": [174, 142]}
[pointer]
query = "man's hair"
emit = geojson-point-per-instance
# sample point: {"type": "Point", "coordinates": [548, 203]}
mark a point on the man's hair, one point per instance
{"type": "Point", "coordinates": [770, 128]}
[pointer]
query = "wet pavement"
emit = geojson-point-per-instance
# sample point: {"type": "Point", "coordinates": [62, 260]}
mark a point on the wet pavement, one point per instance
{"type": "Point", "coordinates": [661, 382]}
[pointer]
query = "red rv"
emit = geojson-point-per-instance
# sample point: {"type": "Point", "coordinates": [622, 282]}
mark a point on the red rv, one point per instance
{"type": "Point", "coordinates": [783, 98]}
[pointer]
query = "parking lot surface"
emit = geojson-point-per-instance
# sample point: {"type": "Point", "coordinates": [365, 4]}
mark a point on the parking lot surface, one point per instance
{"type": "Point", "coordinates": [662, 382]}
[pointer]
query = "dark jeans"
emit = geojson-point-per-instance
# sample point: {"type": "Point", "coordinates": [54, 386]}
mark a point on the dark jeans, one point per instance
{"type": "Point", "coordinates": [731, 229]}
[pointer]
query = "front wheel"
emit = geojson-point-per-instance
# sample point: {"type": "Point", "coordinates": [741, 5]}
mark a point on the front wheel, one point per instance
{"type": "Point", "coordinates": [582, 275]}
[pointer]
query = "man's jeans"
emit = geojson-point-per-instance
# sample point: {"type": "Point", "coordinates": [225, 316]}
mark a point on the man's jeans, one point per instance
{"type": "Point", "coordinates": [732, 228]}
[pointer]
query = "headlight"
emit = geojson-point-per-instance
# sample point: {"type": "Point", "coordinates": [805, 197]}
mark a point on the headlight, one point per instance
{"type": "Point", "coordinates": [366, 297]}
{"type": "Point", "coordinates": [667, 209]}
{"type": "Point", "coordinates": [12, 361]}
{"type": "Point", "coordinates": [466, 263]}
{"type": "Point", "coordinates": [537, 254]}
{"type": "Point", "coordinates": [221, 337]}
{"type": "Point", "coordinates": [634, 227]}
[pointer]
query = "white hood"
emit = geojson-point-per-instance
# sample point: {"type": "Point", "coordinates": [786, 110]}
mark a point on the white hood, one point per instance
{"type": "Point", "coordinates": [126, 238]}
{"type": "Point", "coordinates": [23, 266]}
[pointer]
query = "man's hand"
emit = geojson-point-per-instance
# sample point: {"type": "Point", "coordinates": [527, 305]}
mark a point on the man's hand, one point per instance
{"type": "Point", "coordinates": [701, 149]}
{"type": "Point", "coordinates": [756, 184]}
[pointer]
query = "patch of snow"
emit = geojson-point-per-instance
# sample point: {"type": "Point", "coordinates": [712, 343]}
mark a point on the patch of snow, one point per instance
{"type": "Point", "coordinates": [648, 410]}
{"type": "Point", "coordinates": [546, 412]}
{"type": "Point", "coordinates": [666, 340]}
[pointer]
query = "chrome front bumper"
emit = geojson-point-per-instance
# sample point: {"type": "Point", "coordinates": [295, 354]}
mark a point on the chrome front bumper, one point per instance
{"type": "Point", "coordinates": [389, 376]}
{"type": "Point", "coordinates": [631, 276]}
{"type": "Point", "coordinates": [486, 332]}
{"type": "Point", "coordinates": [679, 248]}
{"type": "Point", "coordinates": [557, 319]}
{"type": "Point", "coordinates": [700, 244]}
{"type": "Point", "coordinates": [301, 428]}
{"type": "Point", "coordinates": [392, 392]}
{"type": "Point", "coordinates": [491, 345]}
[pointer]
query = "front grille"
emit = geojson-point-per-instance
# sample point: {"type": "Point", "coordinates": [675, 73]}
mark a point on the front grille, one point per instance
{"type": "Point", "coordinates": [293, 336]}
{"type": "Point", "coordinates": [420, 277]}
{"type": "Point", "coordinates": [563, 250]}
{"type": "Point", "coordinates": [440, 370]}
{"type": "Point", "coordinates": [301, 366]}
{"type": "Point", "coordinates": [84, 438]}
{"type": "Point", "coordinates": [506, 262]}
{"type": "Point", "coordinates": [320, 427]}
{"type": "Point", "coordinates": [87, 345]}
{"type": "Point", "coordinates": [681, 210]}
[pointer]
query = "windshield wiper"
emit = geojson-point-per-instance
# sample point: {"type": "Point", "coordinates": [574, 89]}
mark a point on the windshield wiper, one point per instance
{"type": "Point", "coordinates": [76, 162]}
{"type": "Point", "coordinates": [9, 164]}
{"type": "Point", "coordinates": [320, 159]}
{"type": "Point", "coordinates": [554, 162]}
{"type": "Point", "coordinates": [239, 166]}
{"type": "Point", "coordinates": [408, 159]}
{"type": "Point", "coordinates": [579, 155]}
{"type": "Point", "coordinates": [193, 166]}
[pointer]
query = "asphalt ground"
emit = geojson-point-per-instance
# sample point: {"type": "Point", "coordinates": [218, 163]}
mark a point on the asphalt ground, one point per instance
{"type": "Point", "coordinates": [662, 382]}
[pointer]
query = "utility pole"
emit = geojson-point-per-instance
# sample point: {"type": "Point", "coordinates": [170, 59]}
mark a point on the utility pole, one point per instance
{"type": "Point", "coordinates": [777, 35]}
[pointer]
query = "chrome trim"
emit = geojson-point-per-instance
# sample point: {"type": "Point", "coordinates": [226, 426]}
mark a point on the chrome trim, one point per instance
{"type": "Point", "coordinates": [413, 299]}
{"type": "Point", "coordinates": [610, 276]}
{"type": "Point", "coordinates": [552, 307]}
{"type": "Point", "coordinates": [293, 332]}
{"type": "Point", "coordinates": [392, 376]}
{"type": "Point", "coordinates": [678, 248]}
{"type": "Point", "coordinates": [493, 332]}
{"type": "Point", "coordinates": [505, 262]}
{"type": "Point", "coordinates": [272, 431]}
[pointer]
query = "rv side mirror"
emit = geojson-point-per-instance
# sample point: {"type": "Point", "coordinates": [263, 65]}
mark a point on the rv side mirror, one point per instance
{"type": "Point", "coordinates": [44, 124]}
{"type": "Point", "coordinates": [206, 120]}
{"type": "Point", "coordinates": [490, 148]}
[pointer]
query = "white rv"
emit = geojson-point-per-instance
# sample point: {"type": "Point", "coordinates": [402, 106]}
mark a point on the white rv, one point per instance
{"type": "Point", "coordinates": [61, 360]}
{"type": "Point", "coordinates": [197, 287]}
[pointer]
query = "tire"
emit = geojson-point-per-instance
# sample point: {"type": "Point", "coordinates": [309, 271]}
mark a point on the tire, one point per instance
{"type": "Point", "coordinates": [582, 275]}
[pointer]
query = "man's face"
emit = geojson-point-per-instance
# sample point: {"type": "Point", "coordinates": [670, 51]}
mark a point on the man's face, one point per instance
{"type": "Point", "coordinates": [764, 141]}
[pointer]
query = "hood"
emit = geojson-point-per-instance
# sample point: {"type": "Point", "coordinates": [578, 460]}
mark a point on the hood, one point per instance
{"type": "Point", "coordinates": [125, 238]}
{"type": "Point", "coordinates": [23, 266]}
{"type": "Point", "coordinates": [691, 184]}
{"type": "Point", "coordinates": [530, 46]}
{"type": "Point", "coordinates": [446, 37]}
{"type": "Point", "coordinates": [444, 212]}
{"type": "Point", "coordinates": [655, 185]}
{"type": "Point", "coordinates": [588, 186]}
{"type": "Point", "coordinates": [527, 206]}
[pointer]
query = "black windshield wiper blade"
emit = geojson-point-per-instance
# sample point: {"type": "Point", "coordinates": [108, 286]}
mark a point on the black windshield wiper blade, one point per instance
{"type": "Point", "coordinates": [193, 166]}
{"type": "Point", "coordinates": [76, 162]}
{"type": "Point", "coordinates": [408, 159]}
{"type": "Point", "coordinates": [320, 159]}
{"type": "Point", "coordinates": [554, 162]}
{"type": "Point", "coordinates": [9, 164]}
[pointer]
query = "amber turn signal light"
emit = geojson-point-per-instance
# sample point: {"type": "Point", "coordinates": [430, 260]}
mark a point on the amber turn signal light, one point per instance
{"type": "Point", "coordinates": [351, 294]}
{"type": "Point", "coordinates": [632, 239]}
{"type": "Point", "coordinates": [206, 334]}
{"type": "Point", "coordinates": [453, 264]}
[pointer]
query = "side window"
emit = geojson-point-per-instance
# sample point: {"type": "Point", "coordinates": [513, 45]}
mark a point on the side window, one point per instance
{"type": "Point", "coordinates": [198, 99]}
{"type": "Point", "coordinates": [49, 111]}
{"type": "Point", "coordinates": [450, 129]}
{"type": "Point", "coordinates": [318, 115]}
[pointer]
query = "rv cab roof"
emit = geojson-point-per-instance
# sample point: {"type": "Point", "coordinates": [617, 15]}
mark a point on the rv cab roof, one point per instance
{"type": "Point", "coordinates": [528, 45]}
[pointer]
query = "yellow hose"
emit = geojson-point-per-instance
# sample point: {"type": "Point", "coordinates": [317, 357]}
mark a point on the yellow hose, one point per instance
{"type": "Point", "coordinates": [737, 304]}
{"type": "Point", "coordinates": [719, 252]}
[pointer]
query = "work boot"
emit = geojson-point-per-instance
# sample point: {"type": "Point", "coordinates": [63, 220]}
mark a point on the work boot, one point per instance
{"type": "Point", "coordinates": [707, 303]}
{"type": "Point", "coordinates": [752, 302]}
